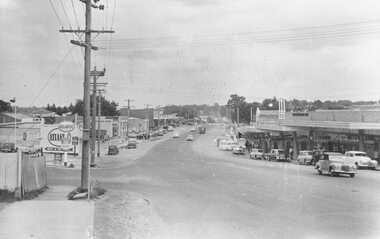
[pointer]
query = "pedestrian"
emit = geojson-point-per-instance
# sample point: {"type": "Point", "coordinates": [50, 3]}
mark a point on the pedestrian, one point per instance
{"type": "Point", "coordinates": [248, 146]}
{"type": "Point", "coordinates": [376, 155]}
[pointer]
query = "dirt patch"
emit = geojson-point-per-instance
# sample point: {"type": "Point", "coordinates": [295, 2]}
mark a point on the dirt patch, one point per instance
{"type": "Point", "coordinates": [124, 215]}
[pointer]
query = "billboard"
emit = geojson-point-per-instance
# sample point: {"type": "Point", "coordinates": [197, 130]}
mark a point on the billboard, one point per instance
{"type": "Point", "coordinates": [60, 138]}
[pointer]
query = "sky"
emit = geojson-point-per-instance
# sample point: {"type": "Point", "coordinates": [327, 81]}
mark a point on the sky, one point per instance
{"type": "Point", "coordinates": [192, 51]}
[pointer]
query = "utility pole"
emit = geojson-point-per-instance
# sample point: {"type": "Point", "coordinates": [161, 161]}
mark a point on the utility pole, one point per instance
{"type": "Point", "coordinates": [95, 74]}
{"type": "Point", "coordinates": [159, 115]}
{"type": "Point", "coordinates": [147, 115]}
{"type": "Point", "coordinates": [128, 109]}
{"type": "Point", "coordinates": [194, 114]}
{"type": "Point", "coordinates": [85, 172]}
{"type": "Point", "coordinates": [99, 113]}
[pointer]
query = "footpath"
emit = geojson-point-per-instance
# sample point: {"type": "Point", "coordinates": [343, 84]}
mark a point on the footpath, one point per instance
{"type": "Point", "coordinates": [50, 215]}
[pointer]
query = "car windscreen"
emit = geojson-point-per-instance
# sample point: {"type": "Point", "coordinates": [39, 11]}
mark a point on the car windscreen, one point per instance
{"type": "Point", "coordinates": [361, 154]}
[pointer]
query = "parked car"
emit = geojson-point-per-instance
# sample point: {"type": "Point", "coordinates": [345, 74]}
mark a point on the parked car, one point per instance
{"type": "Point", "coordinates": [305, 157]}
{"type": "Point", "coordinates": [8, 147]}
{"type": "Point", "coordinates": [175, 135]}
{"type": "Point", "coordinates": [28, 149]}
{"type": "Point", "coordinates": [192, 129]}
{"type": "Point", "coordinates": [189, 137]}
{"type": "Point", "coordinates": [237, 149]}
{"type": "Point", "coordinates": [256, 154]}
{"type": "Point", "coordinates": [360, 159]}
{"type": "Point", "coordinates": [276, 154]}
{"type": "Point", "coordinates": [113, 150]}
{"type": "Point", "coordinates": [132, 144]}
{"type": "Point", "coordinates": [335, 164]}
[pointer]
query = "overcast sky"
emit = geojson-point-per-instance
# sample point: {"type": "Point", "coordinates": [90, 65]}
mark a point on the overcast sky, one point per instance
{"type": "Point", "coordinates": [193, 51]}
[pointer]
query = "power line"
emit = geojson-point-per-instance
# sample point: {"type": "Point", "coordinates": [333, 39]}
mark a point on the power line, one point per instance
{"type": "Point", "coordinates": [64, 11]}
{"type": "Point", "coordinates": [75, 13]}
{"type": "Point", "coordinates": [51, 77]}
{"type": "Point", "coordinates": [350, 29]}
{"type": "Point", "coordinates": [59, 20]}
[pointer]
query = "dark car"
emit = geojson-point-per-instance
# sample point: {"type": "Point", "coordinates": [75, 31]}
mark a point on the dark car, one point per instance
{"type": "Point", "coordinates": [113, 150]}
{"type": "Point", "coordinates": [8, 147]}
{"type": "Point", "coordinates": [132, 145]}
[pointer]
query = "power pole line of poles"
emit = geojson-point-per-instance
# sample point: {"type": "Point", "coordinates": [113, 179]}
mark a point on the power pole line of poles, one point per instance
{"type": "Point", "coordinates": [85, 171]}
{"type": "Point", "coordinates": [99, 114]}
{"type": "Point", "coordinates": [95, 135]}
{"type": "Point", "coordinates": [147, 115]}
{"type": "Point", "coordinates": [128, 111]}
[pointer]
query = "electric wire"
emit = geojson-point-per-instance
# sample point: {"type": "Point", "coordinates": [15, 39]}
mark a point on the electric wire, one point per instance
{"type": "Point", "coordinates": [51, 76]}
{"type": "Point", "coordinates": [59, 20]}
{"type": "Point", "coordinates": [75, 13]}
{"type": "Point", "coordinates": [64, 11]}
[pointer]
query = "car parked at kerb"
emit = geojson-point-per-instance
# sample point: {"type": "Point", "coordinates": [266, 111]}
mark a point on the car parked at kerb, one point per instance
{"type": "Point", "coordinates": [237, 149]}
{"type": "Point", "coordinates": [305, 157]}
{"type": "Point", "coordinates": [256, 154]}
{"type": "Point", "coordinates": [360, 159]}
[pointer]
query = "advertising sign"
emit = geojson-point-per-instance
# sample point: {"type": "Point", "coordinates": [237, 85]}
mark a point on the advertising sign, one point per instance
{"type": "Point", "coordinates": [60, 138]}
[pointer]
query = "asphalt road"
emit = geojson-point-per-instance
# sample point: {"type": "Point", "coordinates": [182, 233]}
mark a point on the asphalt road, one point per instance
{"type": "Point", "coordinates": [182, 189]}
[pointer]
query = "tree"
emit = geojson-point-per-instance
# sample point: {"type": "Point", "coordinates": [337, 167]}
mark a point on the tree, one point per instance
{"type": "Point", "coordinates": [5, 106]}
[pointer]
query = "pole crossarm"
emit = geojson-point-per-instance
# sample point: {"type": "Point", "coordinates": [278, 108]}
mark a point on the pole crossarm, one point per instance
{"type": "Point", "coordinates": [86, 31]}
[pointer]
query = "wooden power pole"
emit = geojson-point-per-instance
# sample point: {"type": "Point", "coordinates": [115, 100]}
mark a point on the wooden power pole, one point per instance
{"type": "Point", "coordinates": [85, 172]}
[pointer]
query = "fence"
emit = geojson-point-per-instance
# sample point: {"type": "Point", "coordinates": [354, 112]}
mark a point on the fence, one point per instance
{"type": "Point", "coordinates": [29, 176]}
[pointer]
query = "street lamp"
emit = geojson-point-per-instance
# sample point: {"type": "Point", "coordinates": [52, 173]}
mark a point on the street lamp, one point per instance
{"type": "Point", "coordinates": [14, 101]}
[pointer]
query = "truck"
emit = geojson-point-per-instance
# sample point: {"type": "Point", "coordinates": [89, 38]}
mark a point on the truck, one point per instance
{"type": "Point", "coordinates": [202, 130]}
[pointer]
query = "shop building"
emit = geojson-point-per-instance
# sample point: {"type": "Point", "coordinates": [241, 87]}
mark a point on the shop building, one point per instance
{"type": "Point", "coordinates": [337, 131]}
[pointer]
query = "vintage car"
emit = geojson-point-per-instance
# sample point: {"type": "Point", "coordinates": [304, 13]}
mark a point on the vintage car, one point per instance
{"type": "Point", "coordinates": [113, 150]}
{"type": "Point", "coordinates": [305, 157]}
{"type": "Point", "coordinates": [189, 137]}
{"type": "Point", "coordinates": [8, 147]}
{"type": "Point", "coordinates": [175, 135]}
{"type": "Point", "coordinates": [256, 154]}
{"type": "Point", "coordinates": [335, 164]}
{"type": "Point", "coordinates": [237, 149]}
{"type": "Point", "coordinates": [360, 159]}
{"type": "Point", "coordinates": [132, 144]}
{"type": "Point", "coordinates": [276, 154]}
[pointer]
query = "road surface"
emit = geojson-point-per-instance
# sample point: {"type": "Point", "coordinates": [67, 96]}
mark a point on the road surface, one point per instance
{"type": "Point", "coordinates": [182, 189]}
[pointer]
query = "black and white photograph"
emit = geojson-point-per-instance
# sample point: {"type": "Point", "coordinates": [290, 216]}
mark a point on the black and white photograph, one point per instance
{"type": "Point", "coordinates": [189, 119]}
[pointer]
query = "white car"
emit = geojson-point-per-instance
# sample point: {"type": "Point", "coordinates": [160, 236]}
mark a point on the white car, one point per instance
{"type": "Point", "coordinates": [237, 149]}
{"type": "Point", "coordinates": [256, 154]}
{"type": "Point", "coordinates": [335, 164]}
{"type": "Point", "coordinates": [175, 135]}
{"type": "Point", "coordinates": [305, 157]}
{"type": "Point", "coordinates": [189, 137]}
{"type": "Point", "coordinates": [360, 159]}
{"type": "Point", "coordinates": [192, 129]}
{"type": "Point", "coordinates": [226, 145]}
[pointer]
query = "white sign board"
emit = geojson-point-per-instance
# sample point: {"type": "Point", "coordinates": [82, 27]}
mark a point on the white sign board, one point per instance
{"type": "Point", "coordinates": [57, 138]}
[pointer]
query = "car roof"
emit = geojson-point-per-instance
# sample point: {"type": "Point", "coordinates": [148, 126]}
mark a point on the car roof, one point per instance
{"type": "Point", "coordinates": [356, 152]}
{"type": "Point", "coordinates": [332, 153]}
{"type": "Point", "coordinates": [306, 151]}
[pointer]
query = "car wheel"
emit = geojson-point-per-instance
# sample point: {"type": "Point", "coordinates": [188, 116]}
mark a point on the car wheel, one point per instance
{"type": "Point", "coordinates": [357, 165]}
{"type": "Point", "coordinates": [319, 171]}
{"type": "Point", "coordinates": [352, 175]}
{"type": "Point", "coordinates": [332, 173]}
